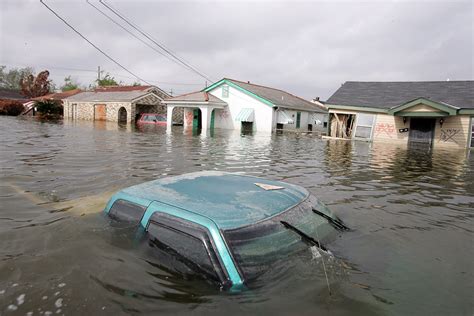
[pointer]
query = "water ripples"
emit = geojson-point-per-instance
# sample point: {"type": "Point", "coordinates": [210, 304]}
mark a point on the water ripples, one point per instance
{"type": "Point", "coordinates": [409, 250]}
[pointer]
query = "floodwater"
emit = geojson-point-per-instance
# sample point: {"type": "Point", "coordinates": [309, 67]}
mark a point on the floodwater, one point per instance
{"type": "Point", "coordinates": [410, 250]}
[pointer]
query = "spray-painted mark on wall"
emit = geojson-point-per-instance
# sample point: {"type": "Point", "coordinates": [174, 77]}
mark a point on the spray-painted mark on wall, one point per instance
{"type": "Point", "coordinates": [447, 135]}
{"type": "Point", "coordinates": [385, 128]}
{"type": "Point", "coordinates": [224, 114]}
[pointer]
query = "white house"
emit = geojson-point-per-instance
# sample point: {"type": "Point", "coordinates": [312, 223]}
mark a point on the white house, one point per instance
{"type": "Point", "coordinates": [233, 104]}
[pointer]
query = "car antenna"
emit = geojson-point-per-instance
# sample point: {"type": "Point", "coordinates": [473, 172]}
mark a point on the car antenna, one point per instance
{"type": "Point", "coordinates": [324, 266]}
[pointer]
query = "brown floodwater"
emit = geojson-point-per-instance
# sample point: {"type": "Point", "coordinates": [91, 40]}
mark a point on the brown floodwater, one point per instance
{"type": "Point", "coordinates": [410, 250]}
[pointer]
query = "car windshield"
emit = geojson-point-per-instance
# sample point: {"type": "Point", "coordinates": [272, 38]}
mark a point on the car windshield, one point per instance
{"type": "Point", "coordinates": [257, 246]}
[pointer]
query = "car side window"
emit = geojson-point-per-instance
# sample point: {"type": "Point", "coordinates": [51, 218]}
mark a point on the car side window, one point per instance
{"type": "Point", "coordinates": [189, 242]}
{"type": "Point", "coordinates": [161, 118]}
{"type": "Point", "coordinates": [127, 211]}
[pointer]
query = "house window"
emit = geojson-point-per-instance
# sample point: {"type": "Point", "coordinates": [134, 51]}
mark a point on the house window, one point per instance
{"type": "Point", "coordinates": [225, 91]}
{"type": "Point", "coordinates": [298, 119]}
{"type": "Point", "coordinates": [364, 126]}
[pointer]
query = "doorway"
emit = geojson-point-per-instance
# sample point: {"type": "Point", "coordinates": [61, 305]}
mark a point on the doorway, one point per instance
{"type": "Point", "coordinates": [422, 130]}
{"type": "Point", "coordinates": [100, 112]}
{"type": "Point", "coordinates": [197, 122]}
{"type": "Point", "coordinates": [246, 127]}
{"type": "Point", "coordinates": [122, 115]}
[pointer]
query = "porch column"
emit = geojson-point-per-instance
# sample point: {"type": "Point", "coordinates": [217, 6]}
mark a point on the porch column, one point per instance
{"type": "Point", "coordinates": [169, 117]}
{"type": "Point", "coordinates": [206, 118]}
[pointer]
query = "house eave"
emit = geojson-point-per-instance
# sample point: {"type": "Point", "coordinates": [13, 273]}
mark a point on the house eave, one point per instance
{"type": "Point", "coordinates": [441, 107]}
{"type": "Point", "coordinates": [356, 108]}
{"type": "Point", "coordinates": [236, 86]}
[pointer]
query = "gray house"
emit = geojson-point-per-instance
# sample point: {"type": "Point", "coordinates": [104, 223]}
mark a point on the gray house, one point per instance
{"type": "Point", "coordinates": [436, 113]}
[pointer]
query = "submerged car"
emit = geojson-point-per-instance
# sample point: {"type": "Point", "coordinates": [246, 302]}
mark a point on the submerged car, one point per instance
{"type": "Point", "coordinates": [228, 227]}
{"type": "Point", "coordinates": [152, 118]}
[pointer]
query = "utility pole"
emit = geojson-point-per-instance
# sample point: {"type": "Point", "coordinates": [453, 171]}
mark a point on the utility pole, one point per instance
{"type": "Point", "coordinates": [98, 73]}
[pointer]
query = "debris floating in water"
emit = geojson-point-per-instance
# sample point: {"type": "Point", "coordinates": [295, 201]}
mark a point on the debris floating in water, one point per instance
{"type": "Point", "coordinates": [268, 187]}
{"type": "Point", "coordinates": [20, 299]}
{"type": "Point", "coordinates": [12, 307]}
{"type": "Point", "coordinates": [61, 284]}
{"type": "Point", "coordinates": [315, 252]}
{"type": "Point", "coordinates": [58, 303]}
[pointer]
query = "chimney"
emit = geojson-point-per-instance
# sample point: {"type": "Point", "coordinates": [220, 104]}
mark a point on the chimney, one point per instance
{"type": "Point", "coordinates": [248, 81]}
{"type": "Point", "coordinates": [316, 99]}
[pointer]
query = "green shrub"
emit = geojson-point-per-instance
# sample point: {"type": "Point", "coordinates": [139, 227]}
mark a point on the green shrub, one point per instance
{"type": "Point", "coordinates": [49, 108]}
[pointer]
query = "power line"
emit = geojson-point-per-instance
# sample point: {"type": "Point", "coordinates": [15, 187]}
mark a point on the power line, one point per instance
{"type": "Point", "coordinates": [95, 72]}
{"type": "Point", "coordinates": [121, 16]}
{"type": "Point", "coordinates": [95, 46]}
{"type": "Point", "coordinates": [129, 32]}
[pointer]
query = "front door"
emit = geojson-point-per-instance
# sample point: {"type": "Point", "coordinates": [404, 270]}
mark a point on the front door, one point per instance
{"type": "Point", "coordinates": [212, 119]}
{"type": "Point", "coordinates": [197, 119]}
{"type": "Point", "coordinates": [100, 112]}
{"type": "Point", "coordinates": [422, 130]}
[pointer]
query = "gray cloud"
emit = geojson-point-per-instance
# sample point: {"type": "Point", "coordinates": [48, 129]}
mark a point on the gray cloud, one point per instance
{"type": "Point", "coordinates": [307, 48]}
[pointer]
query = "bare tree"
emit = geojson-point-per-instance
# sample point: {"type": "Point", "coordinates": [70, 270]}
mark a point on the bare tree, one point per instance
{"type": "Point", "coordinates": [38, 86]}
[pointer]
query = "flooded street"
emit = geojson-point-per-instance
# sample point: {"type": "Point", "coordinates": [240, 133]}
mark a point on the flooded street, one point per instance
{"type": "Point", "coordinates": [410, 249]}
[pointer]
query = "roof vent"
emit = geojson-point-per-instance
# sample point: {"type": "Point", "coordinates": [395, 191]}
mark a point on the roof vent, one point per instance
{"type": "Point", "coordinates": [248, 81]}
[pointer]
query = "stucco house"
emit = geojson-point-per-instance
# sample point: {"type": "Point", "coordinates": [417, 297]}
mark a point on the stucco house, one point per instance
{"type": "Point", "coordinates": [233, 104]}
{"type": "Point", "coordinates": [435, 113]}
{"type": "Point", "coordinates": [115, 104]}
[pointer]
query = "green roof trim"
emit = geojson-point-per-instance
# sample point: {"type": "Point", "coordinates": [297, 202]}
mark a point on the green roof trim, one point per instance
{"type": "Point", "coordinates": [450, 110]}
{"type": "Point", "coordinates": [236, 86]}
{"type": "Point", "coordinates": [356, 108]}
{"type": "Point", "coordinates": [422, 114]}
{"type": "Point", "coordinates": [466, 111]}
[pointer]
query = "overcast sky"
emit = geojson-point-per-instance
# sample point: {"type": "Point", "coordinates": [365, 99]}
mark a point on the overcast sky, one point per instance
{"type": "Point", "coordinates": [306, 48]}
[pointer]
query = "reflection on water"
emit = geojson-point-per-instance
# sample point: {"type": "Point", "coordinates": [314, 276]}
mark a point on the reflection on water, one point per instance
{"type": "Point", "coordinates": [409, 251]}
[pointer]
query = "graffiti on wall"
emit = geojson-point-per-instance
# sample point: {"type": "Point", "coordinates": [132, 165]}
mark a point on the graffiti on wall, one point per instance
{"type": "Point", "coordinates": [223, 114]}
{"type": "Point", "coordinates": [188, 118]}
{"type": "Point", "coordinates": [385, 128]}
{"type": "Point", "coordinates": [447, 134]}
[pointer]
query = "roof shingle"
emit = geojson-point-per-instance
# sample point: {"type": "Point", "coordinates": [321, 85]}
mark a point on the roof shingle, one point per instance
{"type": "Point", "coordinates": [278, 97]}
{"type": "Point", "coordinates": [386, 95]}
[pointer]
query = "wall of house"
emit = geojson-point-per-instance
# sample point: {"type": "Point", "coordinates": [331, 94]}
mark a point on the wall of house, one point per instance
{"type": "Point", "coordinates": [387, 128]}
{"type": "Point", "coordinates": [85, 110]}
{"type": "Point", "coordinates": [306, 118]}
{"type": "Point", "coordinates": [237, 100]}
{"type": "Point", "coordinates": [454, 132]}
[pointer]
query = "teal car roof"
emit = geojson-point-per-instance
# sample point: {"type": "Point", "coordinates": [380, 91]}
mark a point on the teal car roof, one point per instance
{"type": "Point", "coordinates": [230, 200]}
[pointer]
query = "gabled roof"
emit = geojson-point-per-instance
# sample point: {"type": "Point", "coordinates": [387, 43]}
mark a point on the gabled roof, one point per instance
{"type": "Point", "coordinates": [10, 94]}
{"type": "Point", "coordinates": [106, 96]}
{"type": "Point", "coordinates": [158, 91]}
{"type": "Point", "coordinates": [197, 96]}
{"type": "Point", "coordinates": [122, 88]}
{"type": "Point", "coordinates": [387, 95]}
{"type": "Point", "coordinates": [270, 96]}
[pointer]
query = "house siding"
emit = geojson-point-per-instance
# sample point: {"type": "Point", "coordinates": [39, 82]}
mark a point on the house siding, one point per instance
{"type": "Point", "coordinates": [387, 128]}
{"type": "Point", "coordinates": [237, 100]}
{"type": "Point", "coordinates": [455, 132]}
{"type": "Point", "coordinates": [85, 110]}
